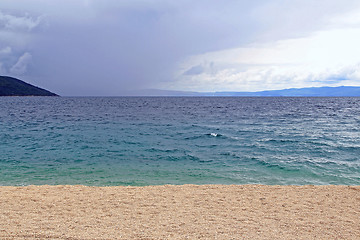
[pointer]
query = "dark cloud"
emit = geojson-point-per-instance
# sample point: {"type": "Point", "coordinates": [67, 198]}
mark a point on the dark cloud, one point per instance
{"type": "Point", "coordinates": [115, 47]}
{"type": "Point", "coordinates": [196, 70]}
{"type": "Point", "coordinates": [108, 47]}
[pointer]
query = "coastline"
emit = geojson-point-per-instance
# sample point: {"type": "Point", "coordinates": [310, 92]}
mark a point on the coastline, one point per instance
{"type": "Point", "coordinates": [180, 212]}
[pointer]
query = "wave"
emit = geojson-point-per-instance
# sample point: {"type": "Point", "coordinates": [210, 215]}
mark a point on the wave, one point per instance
{"type": "Point", "coordinates": [214, 134]}
{"type": "Point", "coordinates": [206, 135]}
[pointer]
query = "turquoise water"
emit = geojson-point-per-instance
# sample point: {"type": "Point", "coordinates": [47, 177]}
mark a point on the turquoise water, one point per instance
{"type": "Point", "coordinates": [179, 140]}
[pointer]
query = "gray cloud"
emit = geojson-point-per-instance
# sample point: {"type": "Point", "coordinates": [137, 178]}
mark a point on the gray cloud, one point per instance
{"type": "Point", "coordinates": [2, 69]}
{"type": "Point", "coordinates": [208, 68]}
{"type": "Point", "coordinates": [21, 66]}
{"type": "Point", "coordinates": [106, 47]}
{"type": "Point", "coordinates": [16, 34]}
{"type": "Point", "coordinates": [196, 70]}
{"type": "Point", "coordinates": [123, 46]}
{"type": "Point", "coordinates": [5, 51]}
{"type": "Point", "coordinates": [18, 23]}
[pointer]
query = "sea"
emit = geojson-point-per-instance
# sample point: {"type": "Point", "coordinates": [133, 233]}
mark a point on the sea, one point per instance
{"type": "Point", "coordinates": [139, 141]}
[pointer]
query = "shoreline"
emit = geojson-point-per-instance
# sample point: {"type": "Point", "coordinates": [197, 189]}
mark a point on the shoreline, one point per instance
{"type": "Point", "coordinates": [180, 212]}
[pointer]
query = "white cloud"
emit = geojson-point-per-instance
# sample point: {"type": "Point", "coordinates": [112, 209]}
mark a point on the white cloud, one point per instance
{"type": "Point", "coordinates": [350, 19]}
{"type": "Point", "coordinates": [5, 51]}
{"type": "Point", "coordinates": [16, 34]}
{"type": "Point", "coordinates": [329, 57]}
{"type": "Point", "coordinates": [20, 67]}
{"type": "Point", "coordinates": [18, 23]}
{"type": "Point", "coordinates": [258, 78]}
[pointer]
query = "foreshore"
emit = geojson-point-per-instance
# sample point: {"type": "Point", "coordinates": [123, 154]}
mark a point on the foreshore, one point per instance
{"type": "Point", "coordinates": [180, 212]}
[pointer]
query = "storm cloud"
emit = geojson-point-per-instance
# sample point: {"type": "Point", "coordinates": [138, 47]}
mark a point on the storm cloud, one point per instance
{"type": "Point", "coordinates": [110, 47]}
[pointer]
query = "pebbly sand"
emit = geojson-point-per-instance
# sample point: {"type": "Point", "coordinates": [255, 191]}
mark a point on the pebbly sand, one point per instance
{"type": "Point", "coordinates": [180, 212]}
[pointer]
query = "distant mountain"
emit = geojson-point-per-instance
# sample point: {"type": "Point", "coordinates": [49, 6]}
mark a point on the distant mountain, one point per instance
{"type": "Point", "coordinates": [300, 92]}
{"type": "Point", "coordinates": [10, 86]}
{"type": "Point", "coordinates": [292, 92]}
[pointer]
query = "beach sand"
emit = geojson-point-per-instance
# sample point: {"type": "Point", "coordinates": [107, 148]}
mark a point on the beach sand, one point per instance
{"type": "Point", "coordinates": [180, 212]}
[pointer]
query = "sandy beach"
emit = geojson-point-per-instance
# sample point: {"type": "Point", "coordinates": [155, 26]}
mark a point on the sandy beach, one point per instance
{"type": "Point", "coordinates": [180, 212]}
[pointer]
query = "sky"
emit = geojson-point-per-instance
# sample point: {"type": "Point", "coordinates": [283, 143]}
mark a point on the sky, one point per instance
{"type": "Point", "coordinates": [115, 47]}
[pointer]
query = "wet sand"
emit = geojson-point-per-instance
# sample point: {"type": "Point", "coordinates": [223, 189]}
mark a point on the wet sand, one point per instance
{"type": "Point", "coordinates": [180, 212]}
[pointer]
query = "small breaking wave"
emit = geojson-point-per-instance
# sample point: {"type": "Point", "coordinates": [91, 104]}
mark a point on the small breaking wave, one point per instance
{"type": "Point", "coordinates": [214, 134]}
{"type": "Point", "coordinates": [204, 136]}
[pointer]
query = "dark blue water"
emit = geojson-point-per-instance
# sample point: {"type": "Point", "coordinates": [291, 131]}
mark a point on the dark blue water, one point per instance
{"type": "Point", "coordinates": [179, 140]}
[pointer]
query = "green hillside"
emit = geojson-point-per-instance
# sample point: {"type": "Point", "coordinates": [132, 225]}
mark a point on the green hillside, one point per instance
{"type": "Point", "coordinates": [14, 87]}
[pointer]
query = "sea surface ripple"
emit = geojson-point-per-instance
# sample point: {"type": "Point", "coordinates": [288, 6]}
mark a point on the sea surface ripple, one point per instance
{"type": "Point", "coordinates": [105, 141]}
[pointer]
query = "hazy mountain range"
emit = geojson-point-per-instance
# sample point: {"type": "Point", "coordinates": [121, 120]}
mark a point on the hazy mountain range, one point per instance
{"type": "Point", "coordinates": [291, 92]}
{"type": "Point", "coordinates": [10, 86]}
